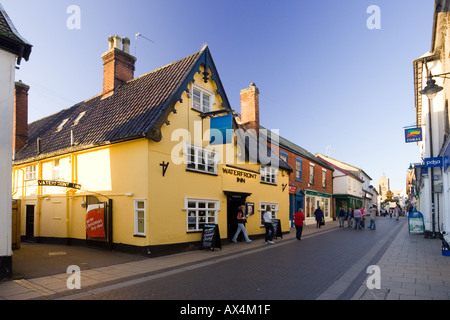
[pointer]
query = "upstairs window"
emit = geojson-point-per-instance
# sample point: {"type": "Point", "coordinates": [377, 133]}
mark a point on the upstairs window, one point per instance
{"type": "Point", "coordinates": [269, 174]}
{"type": "Point", "coordinates": [298, 169]}
{"type": "Point", "coordinates": [31, 172]}
{"type": "Point", "coordinates": [62, 125]}
{"type": "Point", "coordinates": [55, 170]}
{"type": "Point", "coordinates": [202, 99]}
{"type": "Point", "coordinates": [200, 159]}
{"type": "Point", "coordinates": [77, 120]}
{"type": "Point", "coordinates": [311, 174]}
{"type": "Point", "coordinates": [324, 178]}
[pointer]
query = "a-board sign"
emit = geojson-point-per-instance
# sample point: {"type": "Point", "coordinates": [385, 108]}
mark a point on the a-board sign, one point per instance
{"type": "Point", "coordinates": [277, 228]}
{"type": "Point", "coordinates": [211, 237]}
{"type": "Point", "coordinates": [415, 222]}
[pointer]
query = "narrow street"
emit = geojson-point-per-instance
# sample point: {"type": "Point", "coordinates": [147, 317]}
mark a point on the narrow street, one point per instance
{"type": "Point", "coordinates": [293, 270]}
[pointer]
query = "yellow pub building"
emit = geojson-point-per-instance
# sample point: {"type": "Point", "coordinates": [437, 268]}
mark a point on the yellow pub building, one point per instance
{"type": "Point", "coordinates": [147, 163]}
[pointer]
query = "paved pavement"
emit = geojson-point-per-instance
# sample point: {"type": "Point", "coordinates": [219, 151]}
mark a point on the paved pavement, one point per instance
{"type": "Point", "coordinates": [411, 268]}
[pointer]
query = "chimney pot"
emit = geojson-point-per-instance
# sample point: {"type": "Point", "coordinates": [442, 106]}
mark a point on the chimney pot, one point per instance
{"type": "Point", "coordinates": [126, 45]}
{"type": "Point", "coordinates": [116, 41]}
{"type": "Point", "coordinates": [110, 42]}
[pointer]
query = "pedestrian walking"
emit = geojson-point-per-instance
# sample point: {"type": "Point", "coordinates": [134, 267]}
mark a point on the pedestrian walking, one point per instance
{"type": "Point", "coordinates": [318, 213]}
{"type": "Point", "coordinates": [350, 217]}
{"type": "Point", "coordinates": [241, 220]}
{"type": "Point", "coordinates": [363, 217]}
{"type": "Point", "coordinates": [270, 231]}
{"type": "Point", "coordinates": [372, 216]}
{"type": "Point", "coordinates": [342, 215]}
{"type": "Point", "coordinates": [299, 219]}
{"type": "Point", "coordinates": [357, 218]}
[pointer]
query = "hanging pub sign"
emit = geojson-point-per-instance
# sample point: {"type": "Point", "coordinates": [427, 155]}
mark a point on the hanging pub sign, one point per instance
{"type": "Point", "coordinates": [221, 130]}
{"type": "Point", "coordinates": [415, 222]}
{"type": "Point", "coordinates": [95, 221]}
{"type": "Point", "coordinates": [413, 135]}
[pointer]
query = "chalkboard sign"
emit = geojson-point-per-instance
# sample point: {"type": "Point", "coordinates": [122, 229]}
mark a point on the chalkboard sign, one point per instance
{"type": "Point", "coordinates": [277, 228]}
{"type": "Point", "coordinates": [211, 237]}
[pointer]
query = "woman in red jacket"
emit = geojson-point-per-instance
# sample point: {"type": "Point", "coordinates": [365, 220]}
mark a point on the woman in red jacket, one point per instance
{"type": "Point", "coordinates": [299, 217]}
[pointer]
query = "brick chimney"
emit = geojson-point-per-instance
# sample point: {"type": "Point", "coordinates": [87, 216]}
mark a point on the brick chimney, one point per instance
{"type": "Point", "coordinates": [118, 64]}
{"type": "Point", "coordinates": [250, 107]}
{"type": "Point", "coordinates": [20, 117]}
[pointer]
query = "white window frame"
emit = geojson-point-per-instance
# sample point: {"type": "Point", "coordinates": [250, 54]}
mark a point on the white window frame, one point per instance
{"type": "Point", "coordinates": [56, 169]}
{"type": "Point", "coordinates": [31, 172]}
{"type": "Point", "coordinates": [138, 210]}
{"type": "Point", "coordinates": [62, 125]}
{"type": "Point", "coordinates": [77, 120]}
{"type": "Point", "coordinates": [268, 174]}
{"type": "Point", "coordinates": [203, 92]}
{"type": "Point", "coordinates": [200, 212]}
{"type": "Point", "coordinates": [312, 173]}
{"type": "Point", "coordinates": [273, 207]}
{"type": "Point", "coordinates": [201, 159]}
{"type": "Point", "coordinates": [324, 178]}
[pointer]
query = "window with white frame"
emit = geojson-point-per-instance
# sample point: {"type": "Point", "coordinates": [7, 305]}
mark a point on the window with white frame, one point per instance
{"type": "Point", "coordinates": [202, 99]}
{"type": "Point", "coordinates": [200, 212]}
{"type": "Point", "coordinates": [31, 172]}
{"type": "Point", "coordinates": [268, 206]}
{"type": "Point", "coordinates": [139, 217]}
{"type": "Point", "coordinates": [324, 178]}
{"type": "Point", "coordinates": [298, 169]}
{"type": "Point", "coordinates": [55, 169]}
{"type": "Point", "coordinates": [269, 174]}
{"type": "Point", "coordinates": [201, 159]}
{"type": "Point", "coordinates": [61, 125]}
{"type": "Point", "coordinates": [311, 173]}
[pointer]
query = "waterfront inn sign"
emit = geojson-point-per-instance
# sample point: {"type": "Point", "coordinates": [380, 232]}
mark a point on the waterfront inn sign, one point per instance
{"type": "Point", "coordinates": [56, 183]}
{"type": "Point", "coordinates": [240, 175]}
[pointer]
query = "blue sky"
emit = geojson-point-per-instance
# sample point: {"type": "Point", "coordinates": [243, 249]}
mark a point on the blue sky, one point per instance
{"type": "Point", "coordinates": [325, 79]}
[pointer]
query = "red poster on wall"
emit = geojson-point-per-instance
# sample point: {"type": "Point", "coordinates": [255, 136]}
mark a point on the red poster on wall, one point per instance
{"type": "Point", "coordinates": [95, 221]}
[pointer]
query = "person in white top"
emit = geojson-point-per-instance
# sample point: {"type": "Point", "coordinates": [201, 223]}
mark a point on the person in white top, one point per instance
{"type": "Point", "coordinates": [269, 227]}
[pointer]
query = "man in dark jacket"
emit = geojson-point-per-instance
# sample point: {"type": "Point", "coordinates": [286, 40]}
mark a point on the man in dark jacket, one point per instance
{"type": "Point", "coordinates": [319, 217]}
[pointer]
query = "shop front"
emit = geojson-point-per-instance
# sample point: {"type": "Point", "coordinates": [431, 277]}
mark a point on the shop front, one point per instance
{"type": "Point", "coordinates": [314, 200]}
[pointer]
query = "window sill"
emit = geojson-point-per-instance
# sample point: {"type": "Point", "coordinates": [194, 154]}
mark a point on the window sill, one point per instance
{"type": "Point", "coordinates": [269, 183]}
{"type": "Point", "coordinates": [204, 172]}
{"type": "Point", "coordinates": [140, 236]}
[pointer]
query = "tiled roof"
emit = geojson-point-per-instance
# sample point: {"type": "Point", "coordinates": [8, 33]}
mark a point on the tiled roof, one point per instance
{"type": "Point", "coordinates": [136, 109]}
{"type": "Point", "coordinates": [10, 39]}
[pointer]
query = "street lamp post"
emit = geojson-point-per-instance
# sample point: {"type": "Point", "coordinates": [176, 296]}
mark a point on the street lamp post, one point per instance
{"type": "Point", "coordinates": [431, 90]}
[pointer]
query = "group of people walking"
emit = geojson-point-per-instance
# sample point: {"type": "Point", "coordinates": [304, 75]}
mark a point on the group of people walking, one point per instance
{"type": "Point", "coordinates": [242, 220]}
{"type": "Point", "coordinates": [356, 217]}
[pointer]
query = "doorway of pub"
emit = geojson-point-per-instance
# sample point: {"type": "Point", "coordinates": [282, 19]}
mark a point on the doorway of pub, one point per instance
{"type": "Point", "coordinates": [234, 200]}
